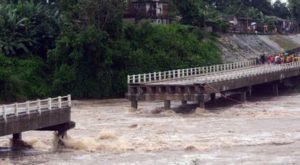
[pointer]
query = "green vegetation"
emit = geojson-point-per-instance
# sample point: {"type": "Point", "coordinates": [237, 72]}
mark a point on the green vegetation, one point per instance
{"type": "Point", "coordinates": [84, 47]}
{"type": "Point", "coordinates": [54, 49]}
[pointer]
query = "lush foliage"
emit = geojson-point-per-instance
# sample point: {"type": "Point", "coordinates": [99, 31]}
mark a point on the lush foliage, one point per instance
{"type": "Point", "coordinates": [294, 7]}
{"type": "Point", "coordinates": [22, 78]}
{"type": "Point", "coordinates": [199, 13]}
{"type": "Point", "coordinates": [85, 49]}
{"type": "Point", "coordinates": [91, 65]}
{"type": "Point", "coordinates": [27, 28]}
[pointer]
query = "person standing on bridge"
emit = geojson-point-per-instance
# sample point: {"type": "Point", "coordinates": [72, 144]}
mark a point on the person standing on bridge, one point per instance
{"type": "Point", "coordinates": [263, 58]}
{"type": "Point", "coordinates": [277, 59]}
{"type": "Point", "coordinates": [271, 59]}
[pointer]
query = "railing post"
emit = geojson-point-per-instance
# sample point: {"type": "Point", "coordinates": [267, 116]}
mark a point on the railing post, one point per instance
{"type": "Point", "coordinates": [144, 78]}
{"type": "Point", "coordinates": [159, 76]}
{"type": "Point", "coordinates": [69, 101]}
{"type": "Point", "coordinates": [39, 106]}
{"type": "Point", "coordinates": [49, 103]}
{"type": "Point", "coordinates": [4, 112]}
{"type": "Point", "coordinates": [59, 101]}
{"type": "Point", "coordinates": [128, 79]}
{"type": "Point", "coordinates": [174, 74]}
{"type": "Point", "coordinates": [155, 77]}
{"type": "Point", "coordinates": [27, 107]}
{"type": "Point", "coordinates": [16, 109]}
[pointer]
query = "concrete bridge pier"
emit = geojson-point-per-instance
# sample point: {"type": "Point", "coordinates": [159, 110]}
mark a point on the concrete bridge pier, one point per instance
{"type": "Point", "coordinates": [275, 89]}
{"type": "Point", "coordinates": [134, 103]}
{"type": "Point", "coordinates": [60, 129]}
{"type": "Point", "coordinates": [16, 140]}
{"type": "Point", "coordinates": [213, 97]}
{"type": "Point", "coordinates": [243, 96]}
{"type": "Point", "coordinates": [167, 104]}
{"type": "Point", "coordinates": [249, 91]}
{"type": "Point", "coordinates": [201, 101]}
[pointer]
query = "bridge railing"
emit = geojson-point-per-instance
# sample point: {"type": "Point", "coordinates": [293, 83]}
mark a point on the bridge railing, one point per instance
{"type": "Point", "coordinates": [264, 69]}
{"type": "Point", "coordinates": [184, 73]}
{"type": "Point", "coordinates": [35, 106]}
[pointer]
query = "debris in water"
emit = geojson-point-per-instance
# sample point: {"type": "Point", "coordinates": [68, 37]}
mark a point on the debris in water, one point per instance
{"type": "Point", "coordinates": [133, 126]}
{"type": "Point", "coordinates": [190, 148]}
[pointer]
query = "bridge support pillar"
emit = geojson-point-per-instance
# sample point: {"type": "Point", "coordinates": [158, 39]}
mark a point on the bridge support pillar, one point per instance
{"type": "Point", "coordinates": [201, 101]}
{"type": "Point", "coordinates": [134, 104]}
{"type": "Point", "coordinates": [167, 104]}
{"type": "Point", "coordinates": [17, 143]}
{"type": "Point", "coordinates": [243, 96]}
{"type": "Point", "coordinates": [201, 104]}
{"type": "Point", "coordinates": [17, 137]}
{"type": "Point", "coordinates": [249, 91]}
{"type": "Point", "coordinates": [275, 89]}
{"type": "Point", "coordinates": [213, 97]}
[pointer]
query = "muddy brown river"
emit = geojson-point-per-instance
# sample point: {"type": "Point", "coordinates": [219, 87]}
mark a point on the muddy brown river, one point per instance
{"type": "Point", "coordinates": [264, 130]}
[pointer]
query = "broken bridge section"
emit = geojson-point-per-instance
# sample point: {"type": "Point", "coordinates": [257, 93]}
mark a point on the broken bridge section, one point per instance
{"type": "Point", "coordinates": [52, 114]}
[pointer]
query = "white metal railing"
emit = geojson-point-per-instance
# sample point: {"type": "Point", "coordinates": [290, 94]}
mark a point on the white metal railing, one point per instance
{"type": "Point", "coordinates": [261, 70]}
{"type": "Point", "coordinates": [35, 106]}
{"type": "Point", "coordinates": [184, 73]}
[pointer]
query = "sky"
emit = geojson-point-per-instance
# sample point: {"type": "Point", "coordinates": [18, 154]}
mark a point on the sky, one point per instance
{"type": "Point", "coordinates": [280, 0]}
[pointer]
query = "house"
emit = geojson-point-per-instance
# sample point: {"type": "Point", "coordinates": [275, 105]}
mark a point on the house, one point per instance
{"type": "Point", "coordinates": [249, 25]}
{"type": "Point", "coordinates": [285, 26]}
{"type": "Point", "coordinates": [241, 24]}
{"type": "Point", "coordinates": [154, 10]}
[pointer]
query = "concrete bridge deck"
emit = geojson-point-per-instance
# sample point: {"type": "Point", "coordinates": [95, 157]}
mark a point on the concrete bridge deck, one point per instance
{"type": "Point", "coordinates": [202, 84]}
{"type": "Point", "coordinates": [52, 114]}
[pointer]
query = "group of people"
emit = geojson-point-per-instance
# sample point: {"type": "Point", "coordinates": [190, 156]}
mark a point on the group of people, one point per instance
{"type": "Point", "coordinates": [278, 58]}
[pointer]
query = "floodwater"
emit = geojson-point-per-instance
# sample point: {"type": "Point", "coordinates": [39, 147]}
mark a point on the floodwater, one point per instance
{"type": "Point", "coordinates": [264, 130]}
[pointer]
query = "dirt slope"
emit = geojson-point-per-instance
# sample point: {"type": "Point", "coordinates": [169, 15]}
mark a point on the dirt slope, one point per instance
{"type": "Point", "coordinates": [239, 47]}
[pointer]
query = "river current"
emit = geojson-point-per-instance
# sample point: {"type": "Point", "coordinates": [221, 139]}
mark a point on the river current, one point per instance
{"type": "Point", "coordinates": [263, 130]}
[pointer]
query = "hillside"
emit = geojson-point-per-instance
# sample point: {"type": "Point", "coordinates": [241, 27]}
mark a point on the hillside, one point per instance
{"type": "Point", "coordinates": [239, 47]}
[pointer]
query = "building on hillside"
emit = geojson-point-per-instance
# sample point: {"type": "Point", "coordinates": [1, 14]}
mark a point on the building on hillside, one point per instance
{"type": "Point", "coordinates": [241, 24]}
{"type": "Point", "coordinates": [249, 25]}
{"type": "Point", "coordinates": [154, 10]}
{"type": "Point", "coordinates": [285, 26]}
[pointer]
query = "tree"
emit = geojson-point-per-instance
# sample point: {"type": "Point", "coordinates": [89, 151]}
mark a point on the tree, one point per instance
{"type": "Point", "coordinates": [106, 15]}
{"type": "Point", "coordinates": [198, 13]}
{"type": "Point", "coordinates": [281, 10]}
{"type": "Point", "coordinates": [294, 6]}
{"type": "Point", "coordinates": [28, 28]}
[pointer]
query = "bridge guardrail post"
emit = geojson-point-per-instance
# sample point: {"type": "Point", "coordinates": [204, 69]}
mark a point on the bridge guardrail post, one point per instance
{"type": "Point", "coordinates": [49, 103]}
{"type": "Point", "coordinates": [69, 100]}
{"type": "Point", "coordinates": [4, 112]}
{"type": "Point", "coordinates": [27, 107]}
{"type": "Point", "coordinates": [16, 109]}
{"type": "Point", "coordinates": [139, 78]}
{"type": "Point", "coordinates": [59, 101]}
{"type": "Point", "coordinates": [174, 74]}
{"type": "Point", "coordinates": [39, 106]}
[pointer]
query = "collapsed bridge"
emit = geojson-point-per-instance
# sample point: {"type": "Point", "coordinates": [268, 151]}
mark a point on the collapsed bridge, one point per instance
{"type": "Point", "coordinates": [52, 114]}
{"type": "Point", "coordinates": [203, 83]}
